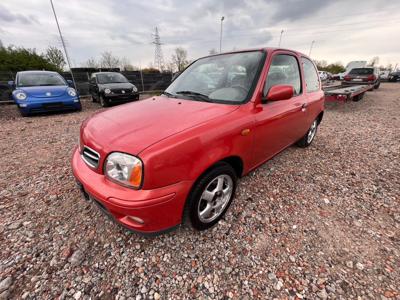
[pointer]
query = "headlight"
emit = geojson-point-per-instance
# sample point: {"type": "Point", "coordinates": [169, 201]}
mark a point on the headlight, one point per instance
{"type": "Point", "coordinates": [107, 91]}
{"type": "Point", "coordinates": [20, 95]}
{"type": "Point", "coordinates": [71, 92]}
{"type": "Point", "coordinates": [124, 169]}
{"type": "Point", "coordinates": [134, 89]}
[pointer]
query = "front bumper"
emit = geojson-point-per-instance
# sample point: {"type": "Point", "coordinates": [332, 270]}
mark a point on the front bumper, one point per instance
{"type": "Point", "coordinates": [30, 106]}
{"type": "Point", "coordinates": [160, 209]}
{"type": "Point", "coordinates": [115, 98]}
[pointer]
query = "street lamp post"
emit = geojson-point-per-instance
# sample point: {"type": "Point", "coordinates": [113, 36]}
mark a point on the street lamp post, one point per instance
{"type": "Point", "coordinates": [220, 35]}
{"type": "Point", "coordinates": [312, 44]}
{"type": "Point", "coordinates": [280, 38]}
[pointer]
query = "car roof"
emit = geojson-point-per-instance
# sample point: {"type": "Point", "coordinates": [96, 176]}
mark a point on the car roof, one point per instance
{"type": "Point", "coordinates": [37, 71]}
{"type": "Point", "coordinates": [264, 49]}
{"type": "Point", "coordinates": [107, 72]}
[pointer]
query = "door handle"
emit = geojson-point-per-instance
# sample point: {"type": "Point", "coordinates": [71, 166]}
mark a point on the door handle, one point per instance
{"type": "Point", "coordinates": [304, 107]}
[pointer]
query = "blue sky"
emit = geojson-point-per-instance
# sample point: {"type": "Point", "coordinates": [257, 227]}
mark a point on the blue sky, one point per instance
{"type": "Point", "coordinates": [342, 30]}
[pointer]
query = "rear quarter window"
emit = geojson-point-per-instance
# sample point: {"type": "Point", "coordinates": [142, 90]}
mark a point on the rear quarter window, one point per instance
{"type": "Point", "coordinates": [310, 75]}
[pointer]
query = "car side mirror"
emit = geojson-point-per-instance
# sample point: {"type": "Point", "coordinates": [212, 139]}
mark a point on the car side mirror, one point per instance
{"type": "Point", "coordinates": [279, 93]}
{"type": "Point", "coordinates": [11, 84]}
{"type": "Point", "coordinates": [70, 83]}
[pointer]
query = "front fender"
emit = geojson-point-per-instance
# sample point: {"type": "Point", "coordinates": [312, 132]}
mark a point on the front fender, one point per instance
{"type": "Point", "coordinates": [186, 155]}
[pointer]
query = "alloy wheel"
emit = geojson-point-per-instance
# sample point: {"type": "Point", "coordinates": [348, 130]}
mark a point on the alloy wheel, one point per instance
{"type": "Point", "coordinates": [215, 198]}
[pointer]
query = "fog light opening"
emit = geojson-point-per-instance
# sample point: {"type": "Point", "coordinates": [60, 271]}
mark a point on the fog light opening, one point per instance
{"type": "Point", "coordinates": [136, 219]}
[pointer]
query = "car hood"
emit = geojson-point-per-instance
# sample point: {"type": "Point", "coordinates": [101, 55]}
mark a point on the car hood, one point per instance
{"type": "Point", "coordinates": [123, 85]}
{"type": "Point", "coordinates": [135, 126]}
{"type": "Point", "coordinates": [44, 91]}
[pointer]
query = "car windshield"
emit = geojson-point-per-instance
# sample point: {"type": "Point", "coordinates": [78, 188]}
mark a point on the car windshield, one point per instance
{"type": "Point", "coordinates": [362, 71]}
{"type": "Point", "coordinates": [40, 79]}
{"type": "Point", "coordinates": [227, 78]}
{"type": "Point", "coordinates": [111, 78]}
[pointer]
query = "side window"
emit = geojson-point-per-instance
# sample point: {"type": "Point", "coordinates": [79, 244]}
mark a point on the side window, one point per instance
{"type": "Point", "coordinates": [310, 75]}
{"type": "Point", "coordinates": [284, 69]}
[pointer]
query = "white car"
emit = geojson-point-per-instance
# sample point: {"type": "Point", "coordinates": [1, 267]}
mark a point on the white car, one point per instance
{"type": "Point", "coordinates": [384, 75]}
{"type": "Point", "coordinates": [323, 75]}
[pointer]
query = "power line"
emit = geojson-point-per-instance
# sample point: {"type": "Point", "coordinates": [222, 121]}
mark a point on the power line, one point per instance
{"type": "Point", "coordinates": [158, 56]}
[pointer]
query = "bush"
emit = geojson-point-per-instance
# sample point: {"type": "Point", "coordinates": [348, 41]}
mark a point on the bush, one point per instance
{"type": "Point", "coordinates": [16, 59]}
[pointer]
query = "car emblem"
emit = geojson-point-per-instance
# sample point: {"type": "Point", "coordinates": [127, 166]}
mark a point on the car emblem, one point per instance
{"type": "Point", "coordinates": [123, 92]}
{"type": "Point", "coordinates": [48, 94]}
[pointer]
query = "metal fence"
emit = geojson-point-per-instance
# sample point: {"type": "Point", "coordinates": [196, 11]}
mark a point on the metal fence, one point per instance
{"type": "Point", "coordinates": [143, 81]}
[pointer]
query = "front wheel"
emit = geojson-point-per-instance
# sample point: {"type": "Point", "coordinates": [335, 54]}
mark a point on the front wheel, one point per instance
{"type": "Point", "coordinates": [211, 197]}
{"type": "Point", "coordinates": [103, 102]}
{"type": "Point", "coordinates": [307, 139]}
{"type": "Point", "coordinates": [376, 86]}
{"type": "Point", "coordinates": [24, 114]}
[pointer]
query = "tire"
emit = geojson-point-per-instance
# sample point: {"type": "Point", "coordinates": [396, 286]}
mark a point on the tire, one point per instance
{"type": "Point", "coordinates": [24, 114]}
{"type": "Point", "coordinates": [210, 197]}
{"type": "Point", "coordinates": [103, 102]}
{"type": "Point", "coordinates": [308, 138]}
{"type": "Point", "coordinates": [358, 97]}
{"type": "Point", "coordinates": [376, 86]}
{"type": "Point", "coordinates": [93, 98]}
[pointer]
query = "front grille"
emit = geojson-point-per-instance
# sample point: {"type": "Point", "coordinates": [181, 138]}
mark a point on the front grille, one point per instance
{"type": "Point", "coordinates": [90, 157]}
{"type": "Point", "coordinates": [53, 105]}
{"type": "Point", "coordinates": [119, 91]}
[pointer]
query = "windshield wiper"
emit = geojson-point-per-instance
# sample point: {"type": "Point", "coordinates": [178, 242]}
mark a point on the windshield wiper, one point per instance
{"type": "Point", "coordinates": [196, 94]}
{"type": "Point", "coordinates": [169, 95]}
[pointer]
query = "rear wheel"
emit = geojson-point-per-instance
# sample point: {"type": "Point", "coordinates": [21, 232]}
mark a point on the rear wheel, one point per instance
{"type": "Point", "coordinates": [307, 139]}
{"type": "Point", "coordinates": [358, 97]}
{"type": "Point", "coordinates": [211, 197]}
{"type": "Point", "coordinates": [376, 86]}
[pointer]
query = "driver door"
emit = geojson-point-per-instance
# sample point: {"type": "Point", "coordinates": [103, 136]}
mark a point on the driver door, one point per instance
{"type": "Point", "coordinates": [278, 124]}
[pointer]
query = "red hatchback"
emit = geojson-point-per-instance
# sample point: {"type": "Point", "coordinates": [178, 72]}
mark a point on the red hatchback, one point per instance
{"type": "Point", "coordinates": [153, 164]}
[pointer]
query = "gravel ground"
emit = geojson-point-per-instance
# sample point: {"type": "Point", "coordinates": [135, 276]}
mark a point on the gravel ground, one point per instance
{"type": "Point", "coordinates": [321, 222]}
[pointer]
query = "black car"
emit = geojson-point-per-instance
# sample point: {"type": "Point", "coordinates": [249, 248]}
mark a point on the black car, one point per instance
{"type": "Point", "coordinates": [111, 87]}
{"type": "Point", "coordinates": [395, 76]}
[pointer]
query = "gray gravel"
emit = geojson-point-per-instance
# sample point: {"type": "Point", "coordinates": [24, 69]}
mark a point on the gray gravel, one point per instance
{"type": "Point", "coordinates": [315, 223]}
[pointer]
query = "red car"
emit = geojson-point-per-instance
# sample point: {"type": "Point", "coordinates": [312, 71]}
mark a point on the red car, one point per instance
{"type": "Point", "coordinates": [176, 158]}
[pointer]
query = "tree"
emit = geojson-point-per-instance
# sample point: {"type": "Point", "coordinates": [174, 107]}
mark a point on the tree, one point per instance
{"type": "Point", "coordinates": [179, 59]}
{"type": "Point", "coordinates": [337, 67]}
{"type": "Point", "coordinates": [1, 44]}
{"type": "Point", "coordinates": [108, 60]}
{"type": "Point", "coordinates": [150, 70]}
{"type": "Point", "coordinates": [374, 61]}
{"type": "Point", "coordinates": [16, 59]}
{"type": "Point", "coordinates": [55, 56]}
{"type": "Point", "coordinates": [126, 65]}
{"type": "Point", "coordinates": [212, 51]}
{"type": "Point", "coordinates": [91, 63]}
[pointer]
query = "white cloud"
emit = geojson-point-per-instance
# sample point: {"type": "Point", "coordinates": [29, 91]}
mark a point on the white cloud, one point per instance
{"type": "Point", "coordinates": [341, 32]}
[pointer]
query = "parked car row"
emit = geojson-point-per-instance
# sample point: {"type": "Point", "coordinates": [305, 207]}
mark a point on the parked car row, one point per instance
{"type": "Point", "coordinates": [45, 91]}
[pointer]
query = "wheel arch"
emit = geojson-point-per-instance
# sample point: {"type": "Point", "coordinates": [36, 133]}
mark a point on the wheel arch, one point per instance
{"type": "Point", "coordinates": [234, 161]}
{"type": "Point", "coordinates": [320, 116]}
